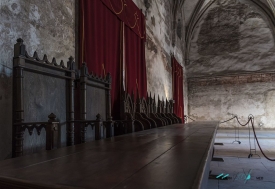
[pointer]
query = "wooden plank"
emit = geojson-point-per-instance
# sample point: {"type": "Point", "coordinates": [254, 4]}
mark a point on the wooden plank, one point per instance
{"type": "Point", "coordinates": [175, 156]}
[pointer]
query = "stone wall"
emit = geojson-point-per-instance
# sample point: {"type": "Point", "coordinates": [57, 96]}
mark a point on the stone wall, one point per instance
{"type": "Point", "coordinates": [48, 28]}
{"type": "Point", "coordinates": [233, 37]}
{"type": "Point", "coordinates": [159, 19]}
{"type": "Point", "coordinates": [220, 98]}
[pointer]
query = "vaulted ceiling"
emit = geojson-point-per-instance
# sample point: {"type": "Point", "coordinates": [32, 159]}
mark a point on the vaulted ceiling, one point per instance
{"type": "Point", "coordinates": [229, 36]}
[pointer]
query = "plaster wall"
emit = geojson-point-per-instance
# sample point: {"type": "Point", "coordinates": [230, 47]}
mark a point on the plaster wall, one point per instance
{"type": "Point", "coordinates": [48, 28]}
{"type": "Point", "coordinates": [220, 102]}
{"type": "Point", "coordinates": [159, 19]}
{"type": "Point", "coordinates": [189, 7]}
{"type": "Point", "coordinates": [234, 38]}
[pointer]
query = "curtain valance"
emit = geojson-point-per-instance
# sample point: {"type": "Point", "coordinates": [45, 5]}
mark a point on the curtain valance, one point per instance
{"type": "Point", "coordinates": [129, 13]}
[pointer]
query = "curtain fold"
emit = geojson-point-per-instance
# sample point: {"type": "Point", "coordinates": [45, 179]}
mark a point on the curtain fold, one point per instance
{"type": "Point", "coordinates": [136, 79]}
{"type": "Point", "coordinates": [100, 44]}
{"type": "Point", "coordinates": [132, 50]}
{"type": "Point", "coordinates": [177, 77]}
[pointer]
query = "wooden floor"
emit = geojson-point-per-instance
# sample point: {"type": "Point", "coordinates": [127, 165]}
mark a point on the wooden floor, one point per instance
{"type": "Point", "coordinates": [175, 156]}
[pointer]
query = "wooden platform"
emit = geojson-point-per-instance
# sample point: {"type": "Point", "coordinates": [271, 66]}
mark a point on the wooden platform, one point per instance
{"type": "Point", "coordinates": [175, 156]}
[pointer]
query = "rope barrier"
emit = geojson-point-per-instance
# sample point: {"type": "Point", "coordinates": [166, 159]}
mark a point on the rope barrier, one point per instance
{"type": "Point", "coordinates": [190, 118]}
{"type": "Point", "coordinates": [229, 119]}
{"type": "Point", "coordinates": [251, 119]}
{"type": "Point", "coordinates": [254, 141]}
{"type": "Point", "coordinates": [243, 124]}
{"type": "Point", "coordinates": [252, 123]}
{"type": "Point", "coordinates": [237, 120]}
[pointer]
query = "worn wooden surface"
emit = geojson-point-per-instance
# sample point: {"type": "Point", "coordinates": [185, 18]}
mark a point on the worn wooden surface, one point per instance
{"type": "Point", "coordinates": [175, 156]}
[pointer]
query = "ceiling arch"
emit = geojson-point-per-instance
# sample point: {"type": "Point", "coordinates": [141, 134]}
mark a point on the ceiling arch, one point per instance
{"type": "Point", "coordinates": [199, 7]}
{"type": "Point", "coordinates": [203, 6]}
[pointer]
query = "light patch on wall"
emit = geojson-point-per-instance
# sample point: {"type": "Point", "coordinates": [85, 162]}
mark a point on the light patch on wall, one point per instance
{"type": "Point", "coordinates": [34, 14]}
{"type": "Point", "coordinates": [269, 120]}
{"type": "Point", "coordinates": [5, 71]}
{"type": "Point", "coordinates": [69, 10]}
{"type": "Point", "coordinates": [262, 121]}
{"type": "Point", "coordinates": [1, 35]}
{"type": "Point", "coordinates": [34, 40]}
{"type": "Point", "coordinates": [166, 91]}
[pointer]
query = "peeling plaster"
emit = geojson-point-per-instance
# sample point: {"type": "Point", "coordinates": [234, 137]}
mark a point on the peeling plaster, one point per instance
{"type": "Point", "coordinates": [34, 14]}
{"type": "Point", "coordinates": [220, 102]}
{"type": "Point", "coordinates": [232, 37]}
{"type": "Point", "coordinates": [159, 46]}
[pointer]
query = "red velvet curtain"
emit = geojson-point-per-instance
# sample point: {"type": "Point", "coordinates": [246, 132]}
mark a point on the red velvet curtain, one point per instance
{"type": "Point", "coordinates": [100, 45]}
{"type": "Point", "coordinates": [101, 41]}
{"type": "Point", "coordinates": [136, 78]}
{"type": "Point", "coordinates": [177, 74]}
{"type": "Point", "coordinates": [129, 13]}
